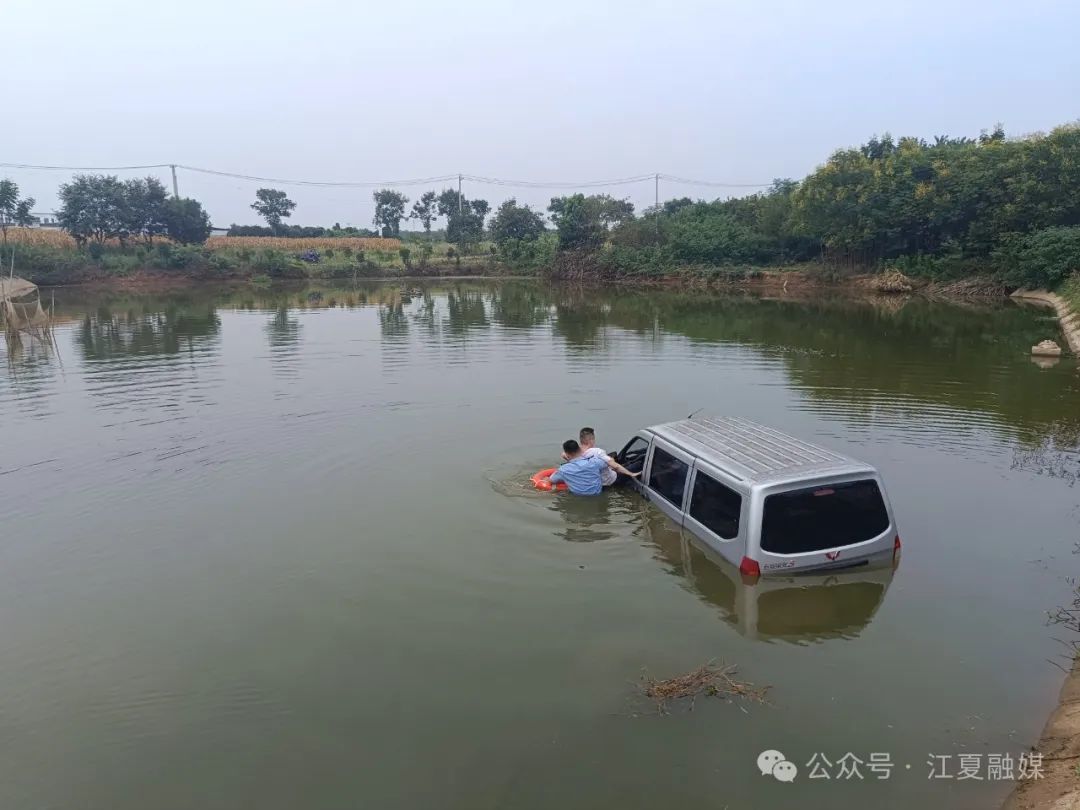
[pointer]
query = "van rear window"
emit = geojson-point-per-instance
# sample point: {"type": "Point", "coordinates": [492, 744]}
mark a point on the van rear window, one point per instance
{"type": "Point", "coordinates": [823, 517]}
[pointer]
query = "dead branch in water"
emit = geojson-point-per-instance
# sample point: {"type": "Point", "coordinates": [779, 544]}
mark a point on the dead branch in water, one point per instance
{"type": "Point", "coordinates": [711, 680]}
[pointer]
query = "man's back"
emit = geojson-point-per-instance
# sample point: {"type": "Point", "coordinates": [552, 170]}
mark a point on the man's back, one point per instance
{"type": "Point", "coordinates": [607, 475]}
{"type": "Point", "coordinates": [582, 474]}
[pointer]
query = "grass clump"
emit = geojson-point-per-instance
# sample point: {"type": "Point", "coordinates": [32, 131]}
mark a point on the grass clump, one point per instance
{"type": "Point", "coordinates": [1070, 291]}
{"type": "Point", "coordinates": [711, 680]}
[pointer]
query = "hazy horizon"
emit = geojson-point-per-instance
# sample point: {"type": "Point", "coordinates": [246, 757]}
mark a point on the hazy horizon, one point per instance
{"type": "Point", "coordinates": [737, 93]}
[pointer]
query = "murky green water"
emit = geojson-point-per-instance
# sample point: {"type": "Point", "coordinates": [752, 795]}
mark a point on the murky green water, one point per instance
{"type": "Point", "coordinates": [273, 550]}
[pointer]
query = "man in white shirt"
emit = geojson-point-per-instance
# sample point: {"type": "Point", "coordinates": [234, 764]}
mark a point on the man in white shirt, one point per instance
{"type": "Point", "coordinates": [587, 439]}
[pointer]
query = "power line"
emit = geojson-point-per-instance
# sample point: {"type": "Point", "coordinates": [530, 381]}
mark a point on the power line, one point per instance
{"type": "Point", "coordinates": [84, 168]}
{"type": "Point", "coordinates": [690, 182]}
{"type": "Point", "coordinates": [418, 181]}
{"type": "Point", "coordinates": [497, 181]}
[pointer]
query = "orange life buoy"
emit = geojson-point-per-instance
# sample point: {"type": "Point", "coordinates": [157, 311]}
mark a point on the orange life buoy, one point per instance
{"type": "Point", "coordinates": [541, 482]}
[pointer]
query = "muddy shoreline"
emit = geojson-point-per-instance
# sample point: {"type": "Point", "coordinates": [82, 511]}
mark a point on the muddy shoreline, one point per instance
{"type": "Point", "coordinates": [768, 281]}
{"type": "Point", "coordinates": [1059, 745]}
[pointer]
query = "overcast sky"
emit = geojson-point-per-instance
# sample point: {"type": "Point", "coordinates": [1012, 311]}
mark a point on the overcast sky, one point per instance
{"type": "Point", "coordinates": [740, 91]}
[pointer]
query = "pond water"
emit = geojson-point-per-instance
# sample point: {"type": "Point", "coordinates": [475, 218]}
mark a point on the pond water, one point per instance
{"type": "Point", "coordinates": [275, 549]}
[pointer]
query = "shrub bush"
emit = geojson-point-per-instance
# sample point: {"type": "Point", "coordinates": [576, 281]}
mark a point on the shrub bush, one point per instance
{"type": "Point", "coordinates": [524, 254]}
{"type": "Point", "coordinates": [163, 255]}
{"type": "Point", "coordinates": [949, 265]}
{"type": "Point", "coordinates": [178, 257]}
{"type": "Point", "coordinates": [221, 262]}
{"type": "Point", "coordinates": [622, 260]}
{"type": "Point", "coordinates": [276, 264]}
{"type": "Point", "coordinates": [1044, 259]}
{"type": "Point", "coordinates": [120, 264]}
{"type": "Point", "coordinates": [45, 264]}
{"type": "Point", "coordinates": [1070, 290]}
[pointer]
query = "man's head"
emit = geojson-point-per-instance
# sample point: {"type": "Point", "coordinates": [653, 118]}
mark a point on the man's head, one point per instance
{"type": "Point", "coordinates": [571, 448]}
{"type": "Point", "coordinates": [588, 437]}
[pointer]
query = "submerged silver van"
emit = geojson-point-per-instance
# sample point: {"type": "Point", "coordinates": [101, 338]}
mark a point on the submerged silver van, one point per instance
{"type": "Point", "coordinates": [764, 500]}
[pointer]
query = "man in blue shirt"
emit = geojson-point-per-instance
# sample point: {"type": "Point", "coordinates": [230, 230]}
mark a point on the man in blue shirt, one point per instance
{"type": "Point", "coordinates": [582, 473]}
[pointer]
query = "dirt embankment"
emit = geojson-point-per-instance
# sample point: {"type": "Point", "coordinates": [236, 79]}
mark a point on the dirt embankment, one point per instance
{"type": "Point", "coordinates": [793, 282]}
{"type": "Point", "coordinates": [1070, 321]}
{"type": "Point", "coordinates": [1060, 749]}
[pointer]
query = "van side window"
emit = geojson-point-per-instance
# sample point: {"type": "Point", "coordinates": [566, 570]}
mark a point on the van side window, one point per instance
{"type": "Point", "coordinates": [715, 506]}
{"type": "Point", "coordinates": [667, 476]}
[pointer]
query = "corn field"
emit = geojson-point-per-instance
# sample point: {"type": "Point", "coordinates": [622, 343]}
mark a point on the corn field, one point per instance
{"type": "Point", "coordinates": [321, 243]}
{"type": "Point", "coordinates": [54, 237]}
{"type": "Point", "coordinates": [40, 237]}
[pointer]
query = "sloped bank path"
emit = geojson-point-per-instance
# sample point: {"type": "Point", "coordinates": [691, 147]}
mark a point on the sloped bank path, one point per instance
{"type": "Point", "coordinates": [1070, 321]}
{"type": "Point", "coordinates": [1060, 740]}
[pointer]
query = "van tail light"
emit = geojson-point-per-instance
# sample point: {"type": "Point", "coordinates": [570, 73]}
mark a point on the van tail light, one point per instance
{"type": "Point", "coordinates": [749, 568]}
{"type": "Point", "coordinates": [896, 551]}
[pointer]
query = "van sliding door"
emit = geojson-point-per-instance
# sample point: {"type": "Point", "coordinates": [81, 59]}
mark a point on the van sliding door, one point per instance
{"type": "Point", "coordinates": [714, 511]}
{"type": "Point", "coordinates": [668, 477]}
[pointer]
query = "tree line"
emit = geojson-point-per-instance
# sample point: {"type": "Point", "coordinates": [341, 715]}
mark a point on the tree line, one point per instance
{"type": "Point", "coordinates": [948, 206]}
{"type": "Point", "coordinates": [97, 208]}
{"type": "Point", "coordinates": [943, 207]}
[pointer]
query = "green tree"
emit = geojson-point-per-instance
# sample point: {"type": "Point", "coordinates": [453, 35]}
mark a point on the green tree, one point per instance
{"type": "Point", "coordinates": [93, 208]}
{"type": "Point", "coordinates": [389, 211]}
{"type": "Point", "coordinates": [708, 233]}
{"type": "Point", "coordinates": [464, 218]}
{"type": "Point", "coordinates": [583, 222]}
{"type": "Point", "coordinates": [955, 197]}
{"type": "Point", "coordinates": [578, 229]}
{"type": "Point", "coordinates": [144, 208]}
{"type": "Point", "coordinates": [13, 211]}
{"type": "Point", "coordinates": [671, 207]}
{"type": "Point", "coordinates": [517, 222]}
{"type": "Point", "coordinates": [1044, 259]}
{"type": "Point", "coordinates": [424, 210]}
{"type": "Point", "coordinates": [608, 211]}
{"type": "Point", "coordinates": [480, 210]}
{"type": "Point", "coordinates": [186, 221]}
{"type": "Point", "coordinates": [273, 205]}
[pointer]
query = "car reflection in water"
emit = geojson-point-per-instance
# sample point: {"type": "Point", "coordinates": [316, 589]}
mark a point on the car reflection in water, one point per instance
{"type": "Point", "coordinates": [592, 519]}
{"type": "Point", "coordinates": [799, 609]}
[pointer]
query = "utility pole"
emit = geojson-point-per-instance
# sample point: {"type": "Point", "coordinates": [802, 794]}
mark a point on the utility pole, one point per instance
{"type": "Point", "coordinates": [461, 231]}
{"type": "Point", "coordinates": [175, 189]}
{"type": "Point", "coordinates": [656, 206]}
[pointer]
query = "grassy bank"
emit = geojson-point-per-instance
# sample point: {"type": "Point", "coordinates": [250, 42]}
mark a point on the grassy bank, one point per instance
{"type": "Point", "coordinates": [1070, 291]}
{"type": "Point", "coordinates": [49, 257]}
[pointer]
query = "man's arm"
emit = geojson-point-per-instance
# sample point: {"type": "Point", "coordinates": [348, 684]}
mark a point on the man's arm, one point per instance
{"type": "Point", "coordinates": [619, 468]}
{"type": "Point", "coordinates": [555, 477]}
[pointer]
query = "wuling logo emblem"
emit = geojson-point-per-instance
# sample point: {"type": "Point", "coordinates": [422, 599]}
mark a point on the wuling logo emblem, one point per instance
{"type": "Point", "coordinates": [831, 555]}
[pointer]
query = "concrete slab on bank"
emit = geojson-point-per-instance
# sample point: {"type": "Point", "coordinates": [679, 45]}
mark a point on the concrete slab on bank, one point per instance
{"type": "Point", "coordinates": [1069, 320]}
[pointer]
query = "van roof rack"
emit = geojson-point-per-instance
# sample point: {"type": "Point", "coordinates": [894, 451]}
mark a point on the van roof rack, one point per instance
{"type": "Point", "coordinates": [755, 453]}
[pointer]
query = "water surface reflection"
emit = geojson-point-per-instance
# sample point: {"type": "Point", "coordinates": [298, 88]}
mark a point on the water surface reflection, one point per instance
{"type": "Point", "coordinates": [245, 523]}
{"type": "Point", "coordinates": [797, 609]}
